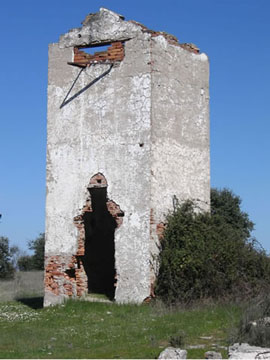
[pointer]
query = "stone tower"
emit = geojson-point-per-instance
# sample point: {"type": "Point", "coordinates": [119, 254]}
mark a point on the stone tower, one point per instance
{"type": "Point", "coordinates": [128, 132]}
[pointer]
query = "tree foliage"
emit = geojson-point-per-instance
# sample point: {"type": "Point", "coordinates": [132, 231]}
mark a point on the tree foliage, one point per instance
{"type": "Point", "coordinates": [35, 261]}
{"type": "Point", "coordinates": [210, 254]}
{"type": "Point", "coordinates": [38, 246]}
{"type": "Point", "coordinates": [25, 263]}
{"type": "Point", "coordinates": [6, 267]}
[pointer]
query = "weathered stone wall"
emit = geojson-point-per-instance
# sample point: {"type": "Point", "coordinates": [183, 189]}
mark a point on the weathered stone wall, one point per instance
{"type": "Point", "coordinates": [180, 126]}
{"type": "Point", "coordinates": [180, 164]}
{"type": "Point", "coordinates": [138, 115]}
{"type": "Point", "coordinates": [101, 131]}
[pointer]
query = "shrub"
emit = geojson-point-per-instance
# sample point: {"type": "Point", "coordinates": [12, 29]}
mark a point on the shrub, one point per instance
{"type": "Point", "coordinates": [254, 327]}
{"type": "Point", "coordinates": [210, 254]}
{"type": "Point", "coordinates": [178, 341]}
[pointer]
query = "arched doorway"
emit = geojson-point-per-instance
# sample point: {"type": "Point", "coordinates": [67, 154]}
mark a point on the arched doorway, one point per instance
{"type": "Point", "coordinates": [100, 223]}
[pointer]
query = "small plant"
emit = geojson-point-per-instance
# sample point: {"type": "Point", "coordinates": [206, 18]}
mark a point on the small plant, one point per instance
{"type": "Point", "coordinates": [178, 340]}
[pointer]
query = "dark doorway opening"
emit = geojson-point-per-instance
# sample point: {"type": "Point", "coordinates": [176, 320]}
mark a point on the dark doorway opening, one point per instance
{"type": "Point", "coordinates": [99, 258]}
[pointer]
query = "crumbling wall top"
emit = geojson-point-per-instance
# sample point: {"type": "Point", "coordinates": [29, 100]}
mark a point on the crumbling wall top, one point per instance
{"type": "Point", "coordinates": [104, 26]}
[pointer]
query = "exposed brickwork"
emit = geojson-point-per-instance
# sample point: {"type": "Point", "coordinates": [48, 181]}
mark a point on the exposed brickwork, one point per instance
{"type": "Point", "coordinates": [152, 220]}
{"type": "Point", "coordinates": [170, 38]}
{"type": "Point", "coordinates": [156, 230]}
{"type": "Point", "coordinates": [116, 212]}
{"type": "Point", "coordinates": [65, 275]}
{"type": "Point", "coordinates": [81, 281]}
{"type": "Point", "coordinates": [114, 53]}
{"type": "Point", "coordinates": [97, 181]}
{"type": "Point", "coordinates": [190, 47]}
{"type": "Point", "coordinates": [78, 222]}
{"type": "Point", "coordinates": [160, 230]}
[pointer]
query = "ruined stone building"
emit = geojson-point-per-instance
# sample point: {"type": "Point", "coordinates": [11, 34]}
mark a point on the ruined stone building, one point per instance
{"type": "Point", "coordinates": [128, 132]}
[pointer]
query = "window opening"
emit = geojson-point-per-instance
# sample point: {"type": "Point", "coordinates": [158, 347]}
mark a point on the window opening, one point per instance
{"type": "Point", "coordinates": [95, 49]}
{"type": "Point", "coordinates": [109, 54]}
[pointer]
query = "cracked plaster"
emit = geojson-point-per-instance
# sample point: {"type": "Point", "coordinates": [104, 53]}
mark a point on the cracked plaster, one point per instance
{"type": "Point", "coordinates": [145, 126]}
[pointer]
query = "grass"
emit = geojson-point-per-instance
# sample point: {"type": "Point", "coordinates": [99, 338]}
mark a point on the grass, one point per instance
{"type": "Point", "coordinates": [81, 329]}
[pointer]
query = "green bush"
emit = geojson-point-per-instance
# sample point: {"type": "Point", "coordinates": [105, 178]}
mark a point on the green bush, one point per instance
{"type": "Point", "coordinates": [210, 254]}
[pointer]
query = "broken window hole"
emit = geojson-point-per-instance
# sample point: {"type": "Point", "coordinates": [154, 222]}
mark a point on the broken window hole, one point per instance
{"type": "Point", "coordinates": [71, 273]}
{"type": "Point", "coordinates": [100, 53]}
{"type": "Point", "coordinates": [95, 49]}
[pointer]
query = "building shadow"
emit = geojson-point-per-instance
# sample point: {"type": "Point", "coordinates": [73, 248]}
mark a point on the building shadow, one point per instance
{"type": "Point", "coordinates": [32, 302]}
{"type": "Point", "coordinates": [68, 99]}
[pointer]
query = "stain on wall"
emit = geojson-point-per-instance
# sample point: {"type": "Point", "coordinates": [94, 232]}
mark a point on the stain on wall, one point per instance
{"type": "Point", "coordinates": [137, 116]}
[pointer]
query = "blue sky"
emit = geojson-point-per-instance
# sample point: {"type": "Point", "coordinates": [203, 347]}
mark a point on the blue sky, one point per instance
{"type": "Point", "coordinates": [235, 35]}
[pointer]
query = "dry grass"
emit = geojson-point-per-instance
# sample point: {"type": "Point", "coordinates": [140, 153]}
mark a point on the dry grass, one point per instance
{"type": "Point", "coordinates": [25, 284]}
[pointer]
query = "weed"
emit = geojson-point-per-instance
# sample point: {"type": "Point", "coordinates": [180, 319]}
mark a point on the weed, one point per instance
{"type": "Point", "coordinates": [254, 326]}
{"type": "Point", "coordinates": [178, 341]}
